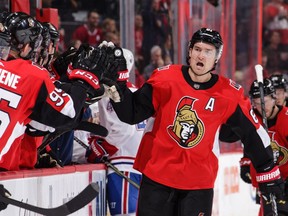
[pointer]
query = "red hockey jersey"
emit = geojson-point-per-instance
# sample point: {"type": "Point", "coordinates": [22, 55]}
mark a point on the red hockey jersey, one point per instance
{"type": "Point", "coordinates": [26, 92]}
{"type": "Point", "coordinates": [180, 148]}
{"type": "Point", "coordinates": [278, 132]}
{"type": "Point", "coordinates": [83, 34]}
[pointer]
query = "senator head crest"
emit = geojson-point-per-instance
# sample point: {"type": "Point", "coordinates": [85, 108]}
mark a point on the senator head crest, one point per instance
{"type": "Point", "coordinates": [187, 129]}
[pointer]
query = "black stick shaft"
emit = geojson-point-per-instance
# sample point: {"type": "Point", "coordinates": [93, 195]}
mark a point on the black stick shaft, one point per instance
{"type": "Point", "coordinates": [259, 75]}
{"type": "Point", "coordinates": [264, 117]}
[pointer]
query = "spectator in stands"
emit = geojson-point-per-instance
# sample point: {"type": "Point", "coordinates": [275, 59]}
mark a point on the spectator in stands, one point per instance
{"type": "Point", "coordinates": [167, 50]}
{"type": "Point", "coordinates": [110, 31]}
{"type": "Point", "coordinates": [75, 43]}
{"type": "Point", "coordinates": [90, 32]}
{"type": "Point", "coordinates": [155, 27]}
{"type": "Point", "coordinates": [139, 59]}
{"type": "Point", "coordinates": [61, 43]}
{"type": "Point", "coordinates": [275, 17]}
{"type": "Point", "coordinates": [274, 61]}
{"type": "Point", "coordinates": [109, 36]}
{"type": "Point", "coordinates": [156, 61]}
{"type": "Point", "coordinates": [109, 25]}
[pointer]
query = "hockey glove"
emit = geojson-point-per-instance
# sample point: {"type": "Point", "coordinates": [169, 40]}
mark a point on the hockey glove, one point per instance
{"type": "Point", "coordinates": [60, 64]}
{"type": "Point", "coordinates": [95, 60]}
{"type": "Point", "coordinates": [45, 160]}
{"type": "Point", "coordinates": [118, 71]}
{"type": "Point", "coordinates": [91, 59]}
{"type": "Point", "coordinates": [270, 183]}
{"type": "Point", "coordinates": [5, 193]}
{"type": "Point", "coordinates": [245, 170]}
{"type": "Point", "coordinates": [96, 153]}
{"type": "Point", "coordinates": [110, 149]}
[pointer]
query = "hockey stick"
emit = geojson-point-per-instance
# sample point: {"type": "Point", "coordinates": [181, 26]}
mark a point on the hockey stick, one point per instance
{"type": "Point", "coordinates": [78, 202]}
{"type": "Point", "coordinates": [116, 170]}
{"type": "Point", "coordinates": [259, 75]}
{"type": "Point", "coordinates": [83, 125]}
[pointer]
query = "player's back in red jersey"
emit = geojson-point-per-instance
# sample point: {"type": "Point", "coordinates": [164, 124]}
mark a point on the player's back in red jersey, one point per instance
{"type": "Point", "coordinates": [22, 86]}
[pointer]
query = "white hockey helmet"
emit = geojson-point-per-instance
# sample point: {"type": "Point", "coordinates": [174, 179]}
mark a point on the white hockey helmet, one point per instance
{"type": "Point", "coordinates": [129, 59]}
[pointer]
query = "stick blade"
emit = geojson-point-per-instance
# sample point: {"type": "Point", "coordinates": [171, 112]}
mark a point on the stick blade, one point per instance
{"type": "Point", "coordinates": [83, 198]}
{"type": "Point", "coordinates": [78, 202]}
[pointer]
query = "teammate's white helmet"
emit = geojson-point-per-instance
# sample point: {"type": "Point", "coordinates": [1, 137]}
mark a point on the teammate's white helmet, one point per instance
{"type": "Point", "coordinates": [129, 59]}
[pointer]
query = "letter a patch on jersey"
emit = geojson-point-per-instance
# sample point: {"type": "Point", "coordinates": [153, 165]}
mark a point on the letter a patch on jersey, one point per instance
{"type": "Point", "coordinates": [187, 129]}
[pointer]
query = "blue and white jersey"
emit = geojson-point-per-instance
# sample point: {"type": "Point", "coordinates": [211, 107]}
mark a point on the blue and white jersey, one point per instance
{"type": "Point", "coordinates": [123, 136]}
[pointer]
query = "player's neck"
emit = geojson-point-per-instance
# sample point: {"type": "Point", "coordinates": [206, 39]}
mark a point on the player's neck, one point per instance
{"type": "Point", "coordinates": [201, 79]}
{"type": "Point", "coordinates": [274, 112]}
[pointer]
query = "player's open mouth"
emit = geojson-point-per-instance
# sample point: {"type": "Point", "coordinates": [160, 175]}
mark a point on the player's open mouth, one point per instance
{"type": "Point", "coordinates": [200, 64]}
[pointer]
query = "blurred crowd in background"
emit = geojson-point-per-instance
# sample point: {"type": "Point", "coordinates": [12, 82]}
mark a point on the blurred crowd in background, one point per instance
{"type": "Point", "coordinates": [95, 21]}
{"type": "Point", "coordinates": [274, 37]}
{"type": "Point", "coordinates": [154, 36]}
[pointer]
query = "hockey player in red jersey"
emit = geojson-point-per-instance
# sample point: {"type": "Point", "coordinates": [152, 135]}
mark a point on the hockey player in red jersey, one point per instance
{"type": "Point", "coordinates": [277, 119]}
{"type": "Point", "coordinates": [179, 169]}
{"type": "Point", "coordinates": [29, 144]}
{"type": "Point", "coordinates": [280, 85]}
{"type": "Point", "coordinates": [27, 92]}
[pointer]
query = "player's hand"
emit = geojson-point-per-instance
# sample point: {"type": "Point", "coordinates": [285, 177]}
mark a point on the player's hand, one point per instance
{"type": "Point", "coordinates": [271, 183]}
{"type": "Point", "coordinates": [245, 170]}
{"type": "Point", "coordinates": [88, 66]}
{"type": "Point", "coordinates": [91, 59]}
{"type": "Point", "coordinates": [96, 152]}
{"type": "Point", "coordinates": [3, 192]}
{"type": "Point", "coordinates": [60, 64]}
{"type": "Point", "coordinates": [46, 161]}
{"type": "Point", "coordinates": [117, 70]}
{"type": "Point", "coordinates": [112, 90]}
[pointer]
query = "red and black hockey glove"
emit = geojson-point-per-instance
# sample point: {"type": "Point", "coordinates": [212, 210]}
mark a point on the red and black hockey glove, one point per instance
{"type": "Point", "coordinates": [245, 170]}
{"type": "Point", "coordinates": [88, 66]}
{"type": "Point", "coordinates": [5, 193]}
{"type": "Point", "coordinates": [270, 182]}
{"type": "Point", "coordinates": [96, 152]}
{"type": "Point", "coordinates": [111, 149]}
{"type": "Point", "coordinates": [91, 59]}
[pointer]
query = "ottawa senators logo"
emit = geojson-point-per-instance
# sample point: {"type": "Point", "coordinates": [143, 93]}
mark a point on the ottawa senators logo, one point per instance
{"type": "Point", "coordinates": [280, 152]}
{"type": "Point", "coordinates": [187, 129]}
